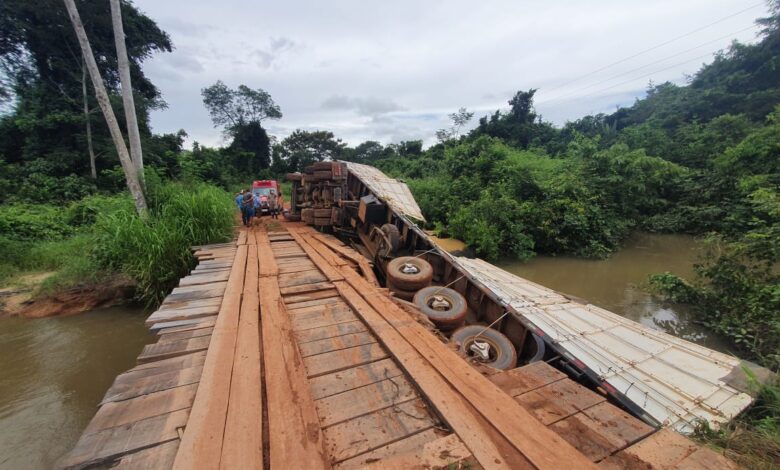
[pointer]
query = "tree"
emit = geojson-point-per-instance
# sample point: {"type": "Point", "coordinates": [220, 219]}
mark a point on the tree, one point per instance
{"type": "Point", "coordinates": [130, 170]}
{"type": "Point", "coordinates": [123, 65]}
{"type": "Point", "coordinates": [302, 148]}
{"type": "Point", "coordinates": [459, 120]}
{"type": "Point", "coordinates": [235, 108]}
{"type": "Point", "coordinates": [253, 140]}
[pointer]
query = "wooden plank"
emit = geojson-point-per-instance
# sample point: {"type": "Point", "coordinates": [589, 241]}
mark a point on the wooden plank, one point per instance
{"type": "Point", "coordinates": [169, 304]}
{"type": "Point", "coordinates": [165, 350]}
{"type": "Point", "coordinates": [291, 300]}
{"type": "Point", "coordinates": [179, 335]}
{"type": "Point", "coordinates": [218, 286]}
{"type": "Point", "coordinates": [377, 429]}
{"type": "Point", "coordinates": [295, 268]}
{"type": "Point", "coordinates": [618, 423]}
{"type": "Point", "coordinates": [524, 379]}
{"type": "Point", "coordinates": [173, 363]}
{"type": "Point", "coordinates": [204, 278]}
{"type": "Point", "coordinates": [314, 334]}
{"type": "Point", "coordinates": [363, 400]}
{"type": "Point", "coordinates": [241, 238]}
{"type": "Point", "coordinates": [327, 269]}
{"type": "Point", "coordinates": [301, 278]}
{"type": "Point", "coordinates": [587, 437]}
{"type": "Point", "coordinates": [181, 314]}
{"type": "Point", "coordinates": [354, 377]}
{"type": "Point", "coordinates": [407, 445]}
{"type": "Point", "coordinates": [558, 400]}
{"type": "Point", "coordinates": [243, 441]}
{"type": "Point", "coordinates": [183, 325]}
{"type": "Point", "coordinates": [296, 441]}
{"type": "Point", "coordinates": [125, 412]}
{"type": "Point", "coordinates": [343, 359]}
{"type": "Point", "coordinates": [115, 442]}
{"type": "Point", "coordinates": [159, 456]}
{"type": "Point", "coordinates": [445, 452]}
{"type": "Point", "coordinates": [201, 443]}
{"type": "Point", "coordinates": [304, 288]}
{"type": "Point", "coordinates": [541, 446]}
{"type": "Point", "coordinates": [329, 318]}
{"type": "Point", "coordinates": [292, 308]}
{"type": "Point", "coordinates": [334, 344]}
{"type": "Point", "coordinates": [151, 383]}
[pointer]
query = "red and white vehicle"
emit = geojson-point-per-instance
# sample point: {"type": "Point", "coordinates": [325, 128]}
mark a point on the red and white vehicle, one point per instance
{"type": "Point", "coordinates": [263, 188]}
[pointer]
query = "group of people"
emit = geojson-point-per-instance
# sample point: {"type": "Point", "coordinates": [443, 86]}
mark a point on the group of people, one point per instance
{"type": "Point", "coordinates": [251, 205]}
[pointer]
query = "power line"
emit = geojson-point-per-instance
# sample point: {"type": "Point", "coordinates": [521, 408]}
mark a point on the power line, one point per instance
{"type": "Point", "coordinates": [656, 46]}
{"type": "Point", "coordinates": [574, 92]}
{"type": "Point", "coordinates": [636, 78]}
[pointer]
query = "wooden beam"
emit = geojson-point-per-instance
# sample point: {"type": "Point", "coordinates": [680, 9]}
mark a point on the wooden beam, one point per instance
{"type": "Point", "coordinates": [201, 444]}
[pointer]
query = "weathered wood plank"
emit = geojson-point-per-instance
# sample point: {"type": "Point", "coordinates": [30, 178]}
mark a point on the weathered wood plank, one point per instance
{"type": "Point", "coordinates": [125, 412]}
{"type": "Point", "coordinates": [204, 278]}
{"type": "Point", "coordinates": [181, 314]}
{"type": "Point", "coordinates": [558, 400]}
{"type": "Point", "coordinates": [524, 379]}
{"type": "Point", "coordinates": [334, 344]}
{"type": "Point", "coordinates": [314, 334]}
{"type": "Point", "coordinates": [445, 452]}
{"type": "Point", "coordinates": [354, 377]}
{"type": "Point", "coordinates": [201, 443]}
{"type": "Point", "coordinates": [294, 307]}
{"type": "Point", "coordinates": [343, 359]}
{"type": "Point", "coordinates": [303, 288]}
{"type": "Point", "coordinates": [363, 400]}
{"type": "Point", "coordinates": [243, 441]}
{"type": "Point", "coordinates": [405, 446]}
{"type": "Point", "coordinates": [294, 299]}
{"type": "Point", "coordinates": [144, 384]}
{"type": "Point", "coordinates": [159, 456]}
{"type": "Point", "coordinates": [301, 278]}
{"type": "Point", "coordinates": [115, 442]}
{"type": "Point", "coordinates": [327, 318]}
{"type": "Point", "coordinates": [183, 325]}
{"type": "Point", "coordinates": [377, 429]}
{"type": "Point", "coordinates": [297, 440]}
{"type": "Point", "coordinates": [165, 350]}
{"type": "Point", "coordinates": [167, 336]}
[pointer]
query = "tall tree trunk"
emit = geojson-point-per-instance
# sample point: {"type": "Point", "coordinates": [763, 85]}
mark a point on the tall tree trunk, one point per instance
{"type": "Point", "coordinates": [87, 120]}
{"type": "Point", "coordinates": [136, 154]}
{"type": "Point", "coordinates": [131, 173]}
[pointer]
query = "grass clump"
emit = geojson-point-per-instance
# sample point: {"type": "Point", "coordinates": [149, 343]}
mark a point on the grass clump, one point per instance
{"type": "Point", "coordinates": [155, 251]}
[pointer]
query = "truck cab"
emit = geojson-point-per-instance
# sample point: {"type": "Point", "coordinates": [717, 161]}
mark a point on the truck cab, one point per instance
{"type": "Point", "coordinates": [263, 188]}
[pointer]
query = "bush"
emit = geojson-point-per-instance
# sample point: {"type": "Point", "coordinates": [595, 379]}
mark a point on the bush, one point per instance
{"type": "Point", "coordinates": [155, 251]}
{"type": "Point", "coordinates": [33, 222]}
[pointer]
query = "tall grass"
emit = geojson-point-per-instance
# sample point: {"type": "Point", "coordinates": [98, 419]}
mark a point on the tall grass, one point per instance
{"type": "Point", "coordinates": [155, 251]}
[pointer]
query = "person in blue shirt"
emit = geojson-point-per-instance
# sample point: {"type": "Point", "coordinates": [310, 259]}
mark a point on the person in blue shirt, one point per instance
{"type": "Point", "coordinates": [239, 197]}
{"type": "Point", "coordinates": [247, 207]}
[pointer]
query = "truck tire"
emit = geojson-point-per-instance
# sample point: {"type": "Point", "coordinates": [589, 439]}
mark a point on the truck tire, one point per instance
{"type": "Point", "coordinates": [322, 213]}
{"type": "Point", "coordinates": [409, 273]}
{"type": "Point", "coordinates": [445, 307]}
{"type": "Point", "coordinates": [401, 293]}
{"type": "Point", "coordinates": [393, 235]}
{"type": "Point", "coordinates": [503, 355]}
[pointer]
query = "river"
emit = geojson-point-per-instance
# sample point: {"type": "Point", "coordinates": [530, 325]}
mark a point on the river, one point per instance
{"type": "Point", "coordinates": [616, 283]}
{"type": "Point", "coordinates": [53, 373]}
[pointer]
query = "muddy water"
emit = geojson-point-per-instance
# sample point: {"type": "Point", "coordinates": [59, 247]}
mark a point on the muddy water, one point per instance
{"type": "Point", "coordinates": [53, 373]}
{"type": "Point", "coordinates": [615, 283]}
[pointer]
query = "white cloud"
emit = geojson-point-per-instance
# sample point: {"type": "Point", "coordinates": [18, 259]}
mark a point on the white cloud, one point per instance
{"type": "Point", "coordinates": [394, 70]}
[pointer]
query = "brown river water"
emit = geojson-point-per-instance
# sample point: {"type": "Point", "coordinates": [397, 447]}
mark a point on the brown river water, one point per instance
{"type": "Point", "coordinates": [54, 371]}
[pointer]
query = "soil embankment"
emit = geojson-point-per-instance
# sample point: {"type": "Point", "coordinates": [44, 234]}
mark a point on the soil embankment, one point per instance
{"type": "Point", "coordinates": [23, 302]}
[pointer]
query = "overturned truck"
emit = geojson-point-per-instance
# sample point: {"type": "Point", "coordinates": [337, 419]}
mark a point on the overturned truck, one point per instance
{"type": "Point", "coordinates": [505, 321]}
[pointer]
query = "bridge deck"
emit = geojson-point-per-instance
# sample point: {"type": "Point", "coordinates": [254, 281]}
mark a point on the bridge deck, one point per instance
{"type": "Point", "coordinates": [275, 352]}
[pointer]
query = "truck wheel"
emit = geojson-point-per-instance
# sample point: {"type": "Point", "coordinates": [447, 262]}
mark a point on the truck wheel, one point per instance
{"type": "Point", "coordinates": [393, 235]}
{"type": "Point", "coordinates": [401, 293]}
{"type": "Point", "coordinates": [500, 353]}
{"type": "Point", "coordinates": [445, 307]}
{"type": "Point", "coordinates": [409, 273]}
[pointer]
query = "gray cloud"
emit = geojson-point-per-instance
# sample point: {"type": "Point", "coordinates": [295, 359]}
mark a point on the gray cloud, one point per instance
{"type": "Point", "coordinates": [370, 106]}
{"type": "Point", "coordinates": [369, 70]}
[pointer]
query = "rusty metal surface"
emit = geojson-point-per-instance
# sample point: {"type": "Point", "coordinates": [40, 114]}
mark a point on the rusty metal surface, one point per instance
{"type": "Point", "coordinates": [675, 381]}
{"type": "Point", "coordinates": [395, 193]}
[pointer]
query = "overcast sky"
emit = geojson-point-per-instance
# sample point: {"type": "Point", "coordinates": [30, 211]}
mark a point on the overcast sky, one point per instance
{"type": "Point", "coordinates": [393, 70]}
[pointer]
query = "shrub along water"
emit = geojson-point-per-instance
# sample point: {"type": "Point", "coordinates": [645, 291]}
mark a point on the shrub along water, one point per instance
{"type": "Point", "coordinates": [155, 251]}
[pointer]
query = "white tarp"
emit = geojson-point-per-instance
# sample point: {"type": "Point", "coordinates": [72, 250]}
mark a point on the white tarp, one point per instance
{"type": "Point", "coordinates": [395, 193]}
{"type": "Point", "coordinates": [673, 380]}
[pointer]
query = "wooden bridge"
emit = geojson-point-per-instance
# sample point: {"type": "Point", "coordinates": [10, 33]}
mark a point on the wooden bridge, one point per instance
{"type": "Point", "coordinates": [281, 350]}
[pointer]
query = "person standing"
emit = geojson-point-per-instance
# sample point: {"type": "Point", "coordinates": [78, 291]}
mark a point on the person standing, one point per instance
{"type": "Point", "coordinates": [273, 205]}
{"type": "Point", "coordinates": [247, 208]}
{"type": "Point", "coordinates": [239, 197]}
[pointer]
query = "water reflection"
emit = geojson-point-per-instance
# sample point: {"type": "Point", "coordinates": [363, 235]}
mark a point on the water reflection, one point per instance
{"type": "Point", "coordinates": [54, 371]}
{"type": "Point", "coordinates": [615, 283]}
